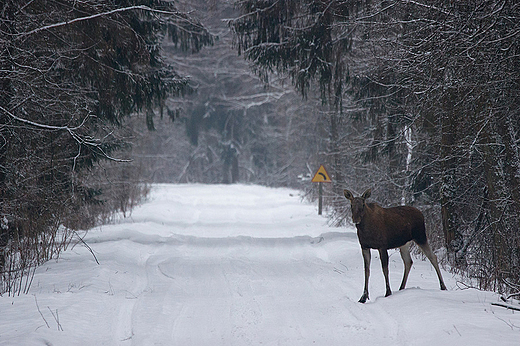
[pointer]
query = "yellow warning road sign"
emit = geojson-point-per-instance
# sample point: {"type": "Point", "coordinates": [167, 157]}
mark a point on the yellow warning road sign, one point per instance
{"type": "Point", "coordinates": [321, 176]}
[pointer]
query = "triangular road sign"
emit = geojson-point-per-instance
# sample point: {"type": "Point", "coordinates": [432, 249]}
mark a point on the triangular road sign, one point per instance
{"type": "Point", "coordinates": [321, 176]}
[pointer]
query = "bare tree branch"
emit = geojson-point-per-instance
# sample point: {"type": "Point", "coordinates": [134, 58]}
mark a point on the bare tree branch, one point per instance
{"type": "Point", "coordinates": [124, 9]}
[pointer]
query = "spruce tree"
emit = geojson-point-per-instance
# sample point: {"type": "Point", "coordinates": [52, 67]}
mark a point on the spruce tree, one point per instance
{"type": "Point", "coordinates": [70, 73]}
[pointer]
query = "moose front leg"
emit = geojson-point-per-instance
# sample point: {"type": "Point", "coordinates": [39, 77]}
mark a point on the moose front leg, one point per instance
{"type": "Point", "coordinates": [383, 253]}
{"type": "Point", "coordinates": [366, 261]}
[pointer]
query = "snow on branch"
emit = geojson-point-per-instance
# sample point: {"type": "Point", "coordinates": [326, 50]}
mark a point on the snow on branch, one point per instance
{"type": "Point", "coordinates": [124, 9]}
{"type": "Point", "coordinates": [87, 141]}
{"type": "Point", "coordinates": [431, 7]}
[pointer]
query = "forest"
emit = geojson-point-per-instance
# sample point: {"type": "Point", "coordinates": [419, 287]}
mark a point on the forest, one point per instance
{"type": "Point", "coordinates": [423, 106]}
{"type": "Point", "coordinates": [418, 100]}
{"type": "Point", "coordinates": [71, 74]}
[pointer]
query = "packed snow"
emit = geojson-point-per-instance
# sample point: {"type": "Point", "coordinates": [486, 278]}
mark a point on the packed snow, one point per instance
{"type": "Point", "coordinates": [240, 265]}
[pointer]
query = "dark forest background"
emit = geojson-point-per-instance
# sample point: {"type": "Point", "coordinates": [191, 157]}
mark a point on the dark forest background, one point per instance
{"type": "Point", "coordinates": [424, 108]}
{"type": "Point", "coordinates": [418, 100]}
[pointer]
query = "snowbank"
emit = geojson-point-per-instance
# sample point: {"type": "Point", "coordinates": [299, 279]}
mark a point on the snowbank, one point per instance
{"type": "Point", "coordinates": [240, 265]}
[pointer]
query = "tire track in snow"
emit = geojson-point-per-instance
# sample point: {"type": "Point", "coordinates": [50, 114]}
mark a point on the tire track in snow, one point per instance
{"type": "Point", "coordinates": [245, 293]}
{"type": "Point", "coordinates": [124, 327]}
{"type": "Point", "coordinates": [375, 322]}
{"type": "Point", "coordinates": [241, 287]}
{"type": "Point", "coordinates": [245, 312]}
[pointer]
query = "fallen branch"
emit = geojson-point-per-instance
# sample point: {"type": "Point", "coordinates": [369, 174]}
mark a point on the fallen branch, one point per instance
{"type": "Point", "coordinates": [56, 318]}
{"type": "Point", "coordinates": [38, 307]}
{"type": "Point", "coordinates": [87, 246]}
{"type": "Point", "coordinates": [505, 299]}
{"type": "Point", "coordinates": [507, 306]}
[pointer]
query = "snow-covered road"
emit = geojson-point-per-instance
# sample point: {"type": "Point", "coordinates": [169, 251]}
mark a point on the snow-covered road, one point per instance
{"type": "Point", "coordinates": [240, 265]}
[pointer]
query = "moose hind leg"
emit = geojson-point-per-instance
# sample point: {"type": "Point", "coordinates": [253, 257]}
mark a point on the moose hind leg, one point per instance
{"type": "Point", "coordinates": [366, 261]}
{"type": "Point", "coordinates": [407, 260]}
{"type": "Point", "coordinates": [433, 259]}
{"type": "Point", "coordinates": [383, 253]}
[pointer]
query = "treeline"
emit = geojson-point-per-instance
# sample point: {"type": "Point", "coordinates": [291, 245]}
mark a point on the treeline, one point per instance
{"type": "Point", "coordinates": [232, 128]}
{"type": "Point", "coordinates": [71, 72]}
{"type": "Point", "coordinates": [423, 106]}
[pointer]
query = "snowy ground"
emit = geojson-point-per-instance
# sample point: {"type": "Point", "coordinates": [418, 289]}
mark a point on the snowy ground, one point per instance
{"type": "Point", "coordinates": [240, 265]}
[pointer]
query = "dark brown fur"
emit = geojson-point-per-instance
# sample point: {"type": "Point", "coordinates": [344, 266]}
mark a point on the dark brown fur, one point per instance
{"type": "Point", "coordinates": [388, 228]}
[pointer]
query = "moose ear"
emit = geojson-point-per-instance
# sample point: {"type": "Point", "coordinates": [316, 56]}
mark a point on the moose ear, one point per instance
{"type": "Point", "coordinates": [348, 194]}
{"type": "Point", "coordinates": [366, 194]}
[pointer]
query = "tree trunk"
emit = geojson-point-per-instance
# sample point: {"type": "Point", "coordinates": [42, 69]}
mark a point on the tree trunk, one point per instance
{"type": "Point", "coordinates": [500, 166]}
{"type": "Point", "coordinates": [448, 190]}
{"type": "Point", "coordinates": [334, 149]}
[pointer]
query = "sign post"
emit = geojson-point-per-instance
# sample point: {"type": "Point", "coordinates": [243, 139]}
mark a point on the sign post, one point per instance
{"type": "Point", "coordinates": [321, 177]}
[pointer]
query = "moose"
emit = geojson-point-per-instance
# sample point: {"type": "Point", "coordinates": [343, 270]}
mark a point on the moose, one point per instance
{"type": "Point", "coordinates": [389, 228]}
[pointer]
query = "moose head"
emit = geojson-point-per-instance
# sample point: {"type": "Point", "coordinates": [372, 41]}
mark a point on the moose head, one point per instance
{"type": "Point", "coordinates": [357, 204]}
